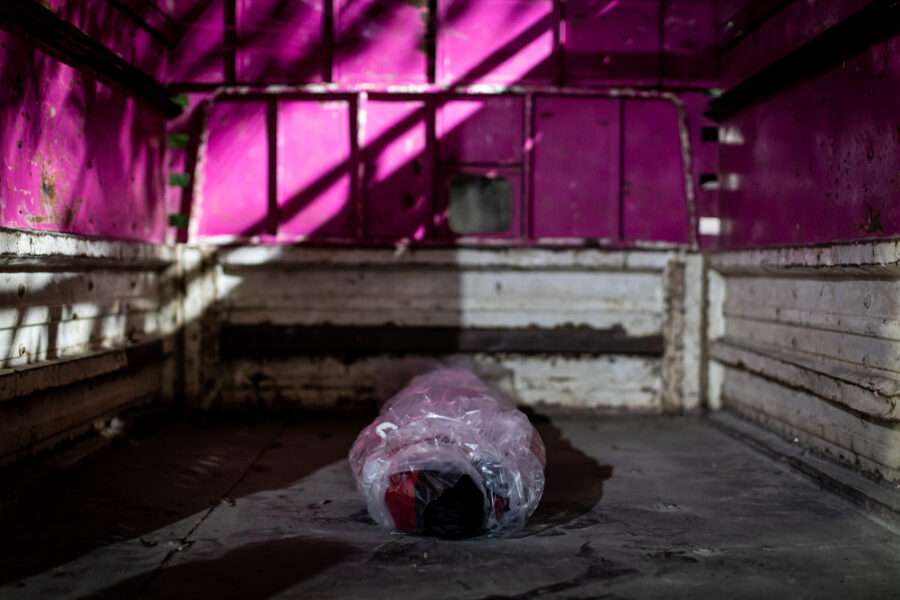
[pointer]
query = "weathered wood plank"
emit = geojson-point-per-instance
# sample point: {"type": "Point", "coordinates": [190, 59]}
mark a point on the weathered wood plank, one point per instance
{"type": "Point", "coordinates": [34, 343]}
{"type": "Point", "coordinates": [20, 249]}
{"type": "Point", "coordinates": [866, 259]}
{"type": "Point", "coordinates": [859, 390]}
{"type": "Point", "coordinates": [286, 257]}
{"type": "Point", "coordinates": [870, 352]}
{"type": "Point", "coordinates": [39, 421]}
{"type": "Point", "coordinates": [815, 421]}
{"type": "Point", "coordinates": [861, 306]}
{"type": "Point", "coordinates": [442, 297]}
{"type": "Point", "coordinates": [328, 382]}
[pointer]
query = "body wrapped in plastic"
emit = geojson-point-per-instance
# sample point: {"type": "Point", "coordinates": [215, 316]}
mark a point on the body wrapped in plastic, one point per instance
{"type": "Point", "coordinates": [450, 456]}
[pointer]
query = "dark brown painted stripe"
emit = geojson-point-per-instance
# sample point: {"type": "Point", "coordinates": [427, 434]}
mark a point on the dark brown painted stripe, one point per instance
{"type": "Point", "coordinates": [266, 339]}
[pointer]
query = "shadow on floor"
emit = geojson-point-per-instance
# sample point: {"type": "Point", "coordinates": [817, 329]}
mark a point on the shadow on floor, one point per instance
{"type": "Point", "coordinates": [574, 482]}
{"type": "Point", "coordinates": [171, 472]}
{"type": "Point", "coordinates": [249, 572]}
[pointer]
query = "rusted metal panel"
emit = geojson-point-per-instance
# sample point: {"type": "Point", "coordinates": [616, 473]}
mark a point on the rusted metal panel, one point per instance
{"type": "Point", "coordinates": [394, 136]}
{"type": "Point", "coordinates": [576, 168]}
{"type": "Point", "coordinates": [751, 38]}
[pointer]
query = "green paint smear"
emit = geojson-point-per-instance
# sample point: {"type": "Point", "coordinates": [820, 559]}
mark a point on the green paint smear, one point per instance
{"type": "Point", "coordinates": [178, 220]}
{"type": "Point", "coordinates": [181, 100]}
{"type": "Point", "coordinates": [178, 140]}
{"type": "Point", "coordinates": [714, 92]}
{"type": "Point", "coordinates": [179, 179]}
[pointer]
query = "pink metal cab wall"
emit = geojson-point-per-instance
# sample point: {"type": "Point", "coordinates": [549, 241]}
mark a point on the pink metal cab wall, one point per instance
{"type": "Point", "coordinates": [401, 72]}
{"type": "Point", "coordinates": [819, 161]}
{"type": "Point", "coordinates": [75, 155]}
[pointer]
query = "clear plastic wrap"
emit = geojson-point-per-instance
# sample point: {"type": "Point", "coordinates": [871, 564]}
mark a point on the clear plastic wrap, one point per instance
{"type": "Point", "coordinates": [450, 456]}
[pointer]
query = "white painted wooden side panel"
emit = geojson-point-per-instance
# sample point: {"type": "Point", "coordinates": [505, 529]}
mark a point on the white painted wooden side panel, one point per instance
{"type": "Point", "coordinates": [63, 299]}
{"type": "Point", "coordinates": [807, 340]}
{"type": "Point", "coordinates": [449, 297]}
{"type": "Point", "coordinates": [858, 390]}
{"type": "Point", "coordinates": [508, 288]}
{"type": "Point", "coordinates": [287, 257]}
{"type": "Point", "coordinates": [326, 382]}
{"type": "Point", "coordinates": [866, 351]}
{"type": "Point", "coordinates": [862, 306]}
{"type": "Point", "coordinates": [875, 446]}
{"type": "Point", "coordinates": [50, 315]}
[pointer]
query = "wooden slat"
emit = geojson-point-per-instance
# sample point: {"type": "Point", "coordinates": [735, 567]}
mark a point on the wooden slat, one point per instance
{"type": "Point", "coordinates": [443, 297]}
{"type": "Point", "coordinates": [328, 382]}
{"type": "Point", "coordinates": [54, 415]}
{"type": "Point", "coordinates": [821, 424]}
{"type": "Point", "coordinates": [31, 379]}
{"type": "Point", "coordinates": [859, 390]}
{"type": "Point", "coordinates": [871, 352]}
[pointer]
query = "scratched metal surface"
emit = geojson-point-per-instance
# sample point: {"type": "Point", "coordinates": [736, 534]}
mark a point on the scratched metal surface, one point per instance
{"type": "Point", "coordinates": [818, 163]}
{"type": "Point", "coordinates": [74, 155]}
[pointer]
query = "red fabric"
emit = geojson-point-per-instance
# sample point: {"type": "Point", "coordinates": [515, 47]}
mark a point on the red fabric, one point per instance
{"type": "Point", "coordinates": [400, 499]}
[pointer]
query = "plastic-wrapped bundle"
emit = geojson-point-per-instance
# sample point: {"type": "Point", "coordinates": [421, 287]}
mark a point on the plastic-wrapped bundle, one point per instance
{"type": "Point", "coordinates": [450, 456]}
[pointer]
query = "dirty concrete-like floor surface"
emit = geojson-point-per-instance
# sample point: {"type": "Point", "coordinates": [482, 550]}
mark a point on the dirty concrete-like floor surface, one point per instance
{"type": "Point", "coordinates": [259, 507]}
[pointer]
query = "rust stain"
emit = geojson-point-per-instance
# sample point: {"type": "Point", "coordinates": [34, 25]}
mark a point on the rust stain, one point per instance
{"type": "Point", "coordinates": [873, 221]}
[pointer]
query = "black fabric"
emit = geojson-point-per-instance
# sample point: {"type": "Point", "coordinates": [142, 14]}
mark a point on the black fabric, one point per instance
{"type": "Point", "coordinates": [449, 511]}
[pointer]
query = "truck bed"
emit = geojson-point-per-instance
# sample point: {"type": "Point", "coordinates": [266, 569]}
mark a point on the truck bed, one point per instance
{"type": "Point", "coordinates": [254, 506]}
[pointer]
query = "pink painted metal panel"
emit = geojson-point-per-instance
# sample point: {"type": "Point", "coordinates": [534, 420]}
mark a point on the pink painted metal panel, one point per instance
{"type": "Point", "coordinates": [233, 200]}
{"type": "Point", "coordinates": [75, 156]}
{"type": "Point", "coordinates": [612, 41]}
{"type": "Point", "coordinates": [279, 41]}
{"type": "Point", "coordinates": [576, 167]}
{"type": "Point", "coordinates": [726, 9]}
{"type": "Point", "coordinates": [381, 41]}
{"type": "Point", "coordinates": [481, 130]}
{"type": "Point", "coordinates": [398, 164]}
{"type": "Point", "coordinates": [653, 198]}
{"type": "Point", "coordinates": [496, 41]}
{"type": "Point", "coordinates": [198, 55]}
{"type": "Point", "coordinates": [314, 169]}
{"type": "Point", "coordinates": [120, 33]}
{"type": "Point", "coordinates": [818, 163]}
{"type": "Point", "coordinates": [790, 28]}
{"type": "Point", "coordinates": [689, 41]}
{"type": "Point", "coordinates": [445, 177]}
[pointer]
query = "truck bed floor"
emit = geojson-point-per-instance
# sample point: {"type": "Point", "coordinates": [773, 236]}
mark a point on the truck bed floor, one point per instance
{"type": "Point", "coordinates": [243, 506]}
